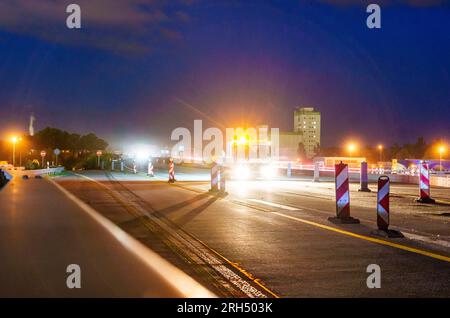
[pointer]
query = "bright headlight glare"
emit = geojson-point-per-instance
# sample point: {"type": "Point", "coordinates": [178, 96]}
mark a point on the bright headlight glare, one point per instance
{"type": "Point", "coordinates": [268, 171]}
{"type": "Point", "coordinates": [142, 154]}
{"type": "Point", "coordinates": [241, 172]}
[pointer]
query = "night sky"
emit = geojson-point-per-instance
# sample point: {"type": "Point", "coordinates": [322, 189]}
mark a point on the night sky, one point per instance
{"type": "Point", "coordinates": [138, 69]}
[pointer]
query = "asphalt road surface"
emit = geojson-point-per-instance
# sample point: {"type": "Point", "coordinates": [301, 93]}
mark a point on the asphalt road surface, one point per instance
{"type": "Point", "coordinates": [42, 231]}
{"type": "Point", "coordinates": [272, 238]}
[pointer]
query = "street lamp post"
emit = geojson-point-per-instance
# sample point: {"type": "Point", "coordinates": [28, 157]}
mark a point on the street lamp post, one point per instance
{"type": "Point", "coordinates": [380, 148]}
{"type": "Point", "coordinates": [14, 141]}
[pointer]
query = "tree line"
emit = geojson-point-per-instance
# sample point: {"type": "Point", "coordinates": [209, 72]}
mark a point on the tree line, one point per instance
{"type": "Point", "coordinates": [77, 151]}
{"type": "Point", "coordinates": [52, 138]}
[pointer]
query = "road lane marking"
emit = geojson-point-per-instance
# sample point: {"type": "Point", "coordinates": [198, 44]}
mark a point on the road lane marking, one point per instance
{"type": "Point", "coordinates": [367, 238]}
{"type": "Point", "coordinates": [425, 238]}
{"type": "Point", "coordinates": [176, 278]}
{"type": "Point", "coordinates": [242, 270]}
{"type": "Point", "coordinates": [227, 273]}
{"type": "Point", "coordinates": [276, 205]}
{"type": "Point", "coordinates": [415, 236]}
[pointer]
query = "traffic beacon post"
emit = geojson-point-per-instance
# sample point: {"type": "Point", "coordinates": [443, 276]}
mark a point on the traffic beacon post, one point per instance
{"type": "Point", "coordinates": [214, 177]}
{"type": "Point", "coordinates": [171, 171]}
{"type": "Point", "coordinates": [316, 176]}
{"type": "Point", "coordinates": [342, 196]}
{"type": "Point", "coordinates": [364, 178]}
{"type": "Point", "coordinates": [222, 180]}
{"type": "Point", "coordinates": [43, 154]}
{"type": "Point", "coordinates": [150, 172]}
{"type": "Point", "coordinates": [424, 184]}
{"type": "Point", "coordinates": [383, 210]}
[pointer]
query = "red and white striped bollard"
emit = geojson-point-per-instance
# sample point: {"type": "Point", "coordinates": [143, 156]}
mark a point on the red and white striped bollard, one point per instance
{"type": "Point", "coordinates": [383, 203]}
{"type": "Point", "coordinates": [171, 171]}
{"type": "Point", "coordinates": [150, 172]}
{"type": "Point", "coordinates": [214, 177]}
{"type": "Point", "coordinates": [222, 179]}
{"type": "Point", "coordinates": [424, 184]}
{"type": "Point", "coordinates": [342, 196]}
{"type": "Point", "coordinates": [383, 210]}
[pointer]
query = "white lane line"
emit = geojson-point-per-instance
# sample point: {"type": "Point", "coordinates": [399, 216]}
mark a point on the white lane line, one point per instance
{"type": "Point", "coordinates": [197, 249]}
{"type": "Point", "coordinates": [276, 205]}
{"type": "Point", "coordinates": [426, 239]}
{"type": "Point", "coordinates": [176, 278]}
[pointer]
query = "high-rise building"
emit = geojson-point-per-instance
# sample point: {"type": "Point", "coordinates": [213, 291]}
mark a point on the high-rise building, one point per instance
{"type": "Point", "coordinates": [307, 122]}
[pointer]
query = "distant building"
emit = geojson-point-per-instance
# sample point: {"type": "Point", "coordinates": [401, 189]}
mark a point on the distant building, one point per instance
{"type": "Point", "coordinates": [307, 123]}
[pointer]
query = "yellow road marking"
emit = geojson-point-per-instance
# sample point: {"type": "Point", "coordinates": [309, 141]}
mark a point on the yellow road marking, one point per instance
{"type": "Point", "coordinates": [367, 238]}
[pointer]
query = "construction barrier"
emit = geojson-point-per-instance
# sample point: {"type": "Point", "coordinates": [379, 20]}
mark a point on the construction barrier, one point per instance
{"type": "Point", "coordinates": [342, 196]}
{"type": "Point", "coordinates": [150, 172]}
{"type": "Point", "coordinates": [222, 179]}
{"type": "Point", "coordinates": [383, 218]}
{"type": "Point", "coordinates": [214, 177]}
{"type": "Point", "coordinates": [316, 171]}
{"type": "Point", "coordinates": [364, 178]}
{"type": "Point", "coordinates": [171, 171]}
{"type": "Point", "coordinates": [383, 203]}
{"type": "Point", "coordinates": [289, 170]}
{"type": "Point", "coordinates": [424, 184]}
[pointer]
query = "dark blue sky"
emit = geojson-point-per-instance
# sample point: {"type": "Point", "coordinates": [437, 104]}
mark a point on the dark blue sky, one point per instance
{"type": "Point", "coordinates": [142, 68]}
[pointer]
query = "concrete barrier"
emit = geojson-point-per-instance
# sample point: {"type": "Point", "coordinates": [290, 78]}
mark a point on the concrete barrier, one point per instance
{"type": "Point", "coordinates": [440, 181]}
{"type": "Point", "coordinates": [435, 180]}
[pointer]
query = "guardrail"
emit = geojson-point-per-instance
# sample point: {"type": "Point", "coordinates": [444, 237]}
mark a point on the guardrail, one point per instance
{"type": "Point", "coordinates": [440, 181]}
{"type": "Point", "coordinates": [39, 172]}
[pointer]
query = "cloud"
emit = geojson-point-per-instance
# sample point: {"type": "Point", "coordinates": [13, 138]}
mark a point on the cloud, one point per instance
{"type": "Point", "coordinates": [125, 26]}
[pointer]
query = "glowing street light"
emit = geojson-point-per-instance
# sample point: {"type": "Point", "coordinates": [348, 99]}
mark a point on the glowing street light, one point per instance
{"type": "Point", "coordinates": [441, 150]}
{"type": "Point", "coordinates": [14, 141]}
{"type": "Point", "coordinates": [380, 148]}
{"type": "Point", "coordinates": [242, 140]}
{"type": "Point", "coordinates": [351, 147]}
